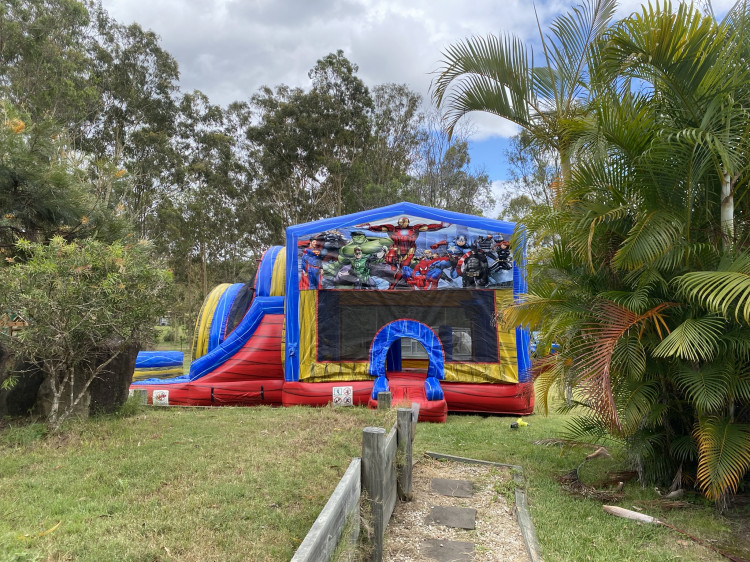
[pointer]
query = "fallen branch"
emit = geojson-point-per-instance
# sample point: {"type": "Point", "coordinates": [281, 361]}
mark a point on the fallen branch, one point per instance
{"type": "Point", "coordinates": [643, 518]}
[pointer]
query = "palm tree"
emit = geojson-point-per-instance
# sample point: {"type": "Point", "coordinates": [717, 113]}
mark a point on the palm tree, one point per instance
{"type": "Point", "coordinates": [498, 75]}
{"type": "Point", "coordinates": [699, 75]}
{"type": "Point", "coordinates": [648, 301]}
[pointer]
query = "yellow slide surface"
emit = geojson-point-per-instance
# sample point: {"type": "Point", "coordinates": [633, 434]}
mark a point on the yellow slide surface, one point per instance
{"type": "Point", "coordinates": [203, 323]}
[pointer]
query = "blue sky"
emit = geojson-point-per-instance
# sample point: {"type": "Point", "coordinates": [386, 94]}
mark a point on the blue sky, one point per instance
{"type": "Point", "coordinates": [229, 48]}
{"type": "Point", "coordinates": [489, 153]}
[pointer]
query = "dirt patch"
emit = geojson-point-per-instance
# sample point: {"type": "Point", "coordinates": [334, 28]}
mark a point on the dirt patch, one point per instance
{"type": "Point", "coordinates": [496, 536]}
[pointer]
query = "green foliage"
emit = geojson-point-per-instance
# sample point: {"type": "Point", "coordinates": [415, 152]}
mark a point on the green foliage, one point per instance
{"type": "Point", "coordinates": [724, 455]}
{"type": "Point", "coordinates": [22, 435]}
{"type": "Point", "coordinates": [643, 287]}
{"type": "Point", "coordinates": [533, 172]}
{"type": "Point", "coordinates": [44, 64]}
{"type": "Point", "coordinates": [84, 301]}
{"type": "Point", "coordinates": [42, 194]}
{"type": "Point", "coordinates": [132, 407]}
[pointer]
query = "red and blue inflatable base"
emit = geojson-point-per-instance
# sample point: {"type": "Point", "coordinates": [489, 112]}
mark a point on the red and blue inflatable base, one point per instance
{"type": "Point", "coordinates": [244, 393]}
{"type": "Point", "coordinates": [343, 393]}
{"type": "Point", "coordinates": [435, 411]}
{"type": "Point", "coordinates": [407, 387]}
{"type": "Point", "coordinates": [514, 399]}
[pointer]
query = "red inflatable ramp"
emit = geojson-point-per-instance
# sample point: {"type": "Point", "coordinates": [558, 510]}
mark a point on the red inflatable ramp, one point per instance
{"type": "Point", "coordinates": [408, 387]}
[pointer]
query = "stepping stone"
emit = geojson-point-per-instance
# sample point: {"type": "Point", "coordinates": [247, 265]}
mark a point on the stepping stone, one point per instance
{"type": "Point", "coordinates": [447, 551]}
{"type": "Point", "coordinates": [456, 517]}
{"type": "Point", "coordinates": [453, 488]}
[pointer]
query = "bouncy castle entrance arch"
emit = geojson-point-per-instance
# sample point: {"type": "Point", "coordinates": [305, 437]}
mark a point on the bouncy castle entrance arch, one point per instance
{"type": "Point", "coordinates": [422, 333]}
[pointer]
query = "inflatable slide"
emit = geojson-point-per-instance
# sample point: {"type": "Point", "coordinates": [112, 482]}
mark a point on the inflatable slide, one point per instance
{"type": "Point", "coordinates": [403, 299]}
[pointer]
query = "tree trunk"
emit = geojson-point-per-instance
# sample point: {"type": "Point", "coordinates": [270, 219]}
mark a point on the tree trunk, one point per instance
{"type": "Point", "coordinates": [4, 374]}
{"type": "Point", "coordinates": [565, 167]}
{"type": "Point", "coordinates": [204, 271]}
{"type": "Point", "coordinates": [727, 211]}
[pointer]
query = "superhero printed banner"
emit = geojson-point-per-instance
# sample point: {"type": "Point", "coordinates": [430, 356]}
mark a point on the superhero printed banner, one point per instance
{"type": "Point", "coordinates": [405, 252]}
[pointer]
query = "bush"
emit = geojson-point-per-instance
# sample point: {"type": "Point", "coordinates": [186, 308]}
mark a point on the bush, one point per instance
{"type": "Point", "coordinates": [86, 303]}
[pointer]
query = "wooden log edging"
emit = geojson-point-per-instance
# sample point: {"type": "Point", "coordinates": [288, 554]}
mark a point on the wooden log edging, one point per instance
{"type": "Point", "coordinates": [406, 424]}
{"type": "Point", "coordinates": [384, 478]}
{"type": "Point", "coordinates": [521, 505]}
{"type": "Point", "coordinates": [381, 476]}
{"type": "Point", "coordinates": [342, 506]}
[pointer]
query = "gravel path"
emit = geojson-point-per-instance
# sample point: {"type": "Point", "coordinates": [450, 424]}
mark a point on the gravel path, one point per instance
{"type": "Point", "coordinates": [497, 535]}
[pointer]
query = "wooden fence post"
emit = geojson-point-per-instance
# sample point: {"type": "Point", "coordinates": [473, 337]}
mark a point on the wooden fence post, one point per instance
{"type": "Point", "coordinates": [373, 463]}
{"type": "Point", "coordinates": [405, 436]}
{"type": "Point", "coordinates": [384, 400]}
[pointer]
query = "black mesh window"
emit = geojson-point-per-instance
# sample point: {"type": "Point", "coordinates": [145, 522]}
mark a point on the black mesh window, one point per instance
{"type": "Point", "coordinates": [349, 320]}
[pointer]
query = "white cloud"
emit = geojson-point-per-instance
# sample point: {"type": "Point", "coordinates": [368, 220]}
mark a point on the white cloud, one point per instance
{"type": "Point", "coordinates": [230, 48]}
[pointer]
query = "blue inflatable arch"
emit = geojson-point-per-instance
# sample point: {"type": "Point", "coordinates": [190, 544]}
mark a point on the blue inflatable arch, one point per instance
{"type": "Point", "coordinates": [398, 329]}
{"type": "Point", "coordinates": [393, 332]}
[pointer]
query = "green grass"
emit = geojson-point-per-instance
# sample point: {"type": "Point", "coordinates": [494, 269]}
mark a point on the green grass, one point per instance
{"type": "Point", "coordinates": [187, 484]}
{"type": "Point", "coordinates": [571, 527]}
{"type": "Point", "coordinates": [247, 483]}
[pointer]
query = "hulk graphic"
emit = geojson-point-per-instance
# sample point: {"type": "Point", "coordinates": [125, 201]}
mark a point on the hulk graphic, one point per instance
{"type": "Point", "coordinates": [358, 259]}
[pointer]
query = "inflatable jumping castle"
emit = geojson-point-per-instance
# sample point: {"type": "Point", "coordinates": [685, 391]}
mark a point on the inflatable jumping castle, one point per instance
{"type": "Point", "coordinates": [404, 299]}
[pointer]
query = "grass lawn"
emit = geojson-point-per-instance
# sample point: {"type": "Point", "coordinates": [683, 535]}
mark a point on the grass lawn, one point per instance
{"type": "Point", "coordinates": [247, 483]}
{"type": "Point", "coordinates": [175, 483]}
{"type": "Point", "coordinates": [575, 528]}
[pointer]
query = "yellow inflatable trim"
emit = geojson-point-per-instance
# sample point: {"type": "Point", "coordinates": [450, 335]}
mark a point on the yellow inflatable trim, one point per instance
{"type": "Point", "coordinates": [203, 323]}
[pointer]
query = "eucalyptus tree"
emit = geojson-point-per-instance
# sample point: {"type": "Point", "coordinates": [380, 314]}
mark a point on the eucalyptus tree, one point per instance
{"type": "Point", "coordinates": [499, 75]}
{"type": "Point", "coordinates": [396, 133]}
{"type": "Point", "coordinates": [533, 176]}
{"type": "Point", "coordinates": [309, 145]}
{"type": "Point", "coordinates": [442, 175]}
{"type": "Point", "coordinates": [111, 87]}
{"type": "Point", "coordinates": [137, 81]}
{"type": "Point", "coordinates": [206, 221]}
{"type": "Point", "coordinates": [45, 62]}
{"type": "Point", "coordinates": [343, 107]}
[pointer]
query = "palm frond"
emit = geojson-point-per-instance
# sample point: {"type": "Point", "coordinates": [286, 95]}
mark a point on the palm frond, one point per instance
{"type": "Point", "coordinates": [679, 50]}
{"type": "Point", "coordinates": [638, 300]}
{"type": "Point", "coordinates": [586, 428]}
{"type": "Point", "coordinates": [725, 291]}
{"type": "Point", "coordinates": [635, 402]}
{"type": "Point", "coordinates": [723, 455]}
{"type": "Point", "coordinates": [695, 339]}
{"type": "Point", "coordinates": [739, 386]}
{"type": "Point", "coordinates": [684, 448]}
{"type": "Point", "coordinates": [548, 372]}
{"type": "Point", "coordinates": [737, 342]}
{"type": "Point", "coordinates": [650, 239]}
{"type": "Point", "coordinates": [486, 74]}
{"type": "Point", "coordinates": [596, 349]}
{"type": "Point", "coordinates": [629, 357]}
{"type": "Point", "coordinates": [572, 37]}
{"type": "Point", "coordinates": [705, 386]}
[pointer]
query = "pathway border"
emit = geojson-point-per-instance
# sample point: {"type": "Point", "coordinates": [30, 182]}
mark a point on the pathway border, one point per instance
{"type": "Point", "coordinates": [521, 505]}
